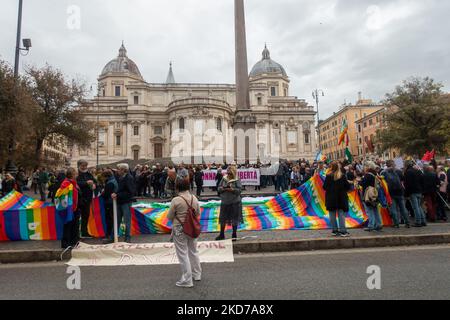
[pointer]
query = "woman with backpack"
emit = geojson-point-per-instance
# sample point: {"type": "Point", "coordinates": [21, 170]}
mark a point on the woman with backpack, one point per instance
{"type": "Point", "coordinates": [370, 197]}
{"type": "Point", "coordinates": [336, 187]}
{"type": "Point", "coordinates": [394, 178]}
{"type": "Point", "coordinates": [181, 208]}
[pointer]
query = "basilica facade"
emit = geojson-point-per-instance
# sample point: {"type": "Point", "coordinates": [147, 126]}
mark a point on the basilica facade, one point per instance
{"type": "Point", "coordinates": [193, 123]}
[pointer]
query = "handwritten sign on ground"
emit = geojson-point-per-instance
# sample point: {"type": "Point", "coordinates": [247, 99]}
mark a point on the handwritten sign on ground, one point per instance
{"type": "Point", "coordinates": [139, 254]}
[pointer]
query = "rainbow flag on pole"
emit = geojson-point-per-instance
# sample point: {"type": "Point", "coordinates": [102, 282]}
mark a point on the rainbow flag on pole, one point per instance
{"type": "Point", "coordinates": [66, 199]}
{"type": "Point", "coordinates": [97, 221]}
{"type": "Point", "coordinates": [344, 134]}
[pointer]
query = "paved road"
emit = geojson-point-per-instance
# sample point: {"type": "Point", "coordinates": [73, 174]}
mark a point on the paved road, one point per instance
{"type": "Point", "coordinates": [406, 273]}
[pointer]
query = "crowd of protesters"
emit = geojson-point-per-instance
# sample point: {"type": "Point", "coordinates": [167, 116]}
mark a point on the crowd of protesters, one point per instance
{"type": "Point", "coordinates": [419, 192]}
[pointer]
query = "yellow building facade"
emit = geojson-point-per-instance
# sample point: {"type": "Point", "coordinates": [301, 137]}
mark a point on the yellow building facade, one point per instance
{"type": "Point", "coordinates": [330, 129]}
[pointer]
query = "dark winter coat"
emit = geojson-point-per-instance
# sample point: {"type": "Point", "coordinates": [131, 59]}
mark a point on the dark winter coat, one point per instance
{"type": "Point", "coordinates": [7, 186]}
{"type": "Point", "coordinates": [336, 197]}
{"type": "Point", "coordinates": [127, 189]}
{"type": "Point", "coordinates": [430, 182]}
{"type": "Point", "coordinates": [198, 178]}
{"type": "Point", "coordinates": [87, 193]}
{"type": "Point", "coordinates": [413, 181]}
{"type": "Point", "coordinates": [111, 187]}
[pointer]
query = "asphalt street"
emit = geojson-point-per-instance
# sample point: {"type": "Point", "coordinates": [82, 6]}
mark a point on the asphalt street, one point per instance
{"type": "Point", "coordinates": [406, 273]}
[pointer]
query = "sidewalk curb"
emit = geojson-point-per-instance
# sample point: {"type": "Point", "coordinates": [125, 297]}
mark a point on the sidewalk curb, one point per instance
{"type": "Point", "coordinates": [27, 256]}
{"type": "Point", "coordinates": [341, 243]}
{"type": "Point", "coordinates": [48, 255]}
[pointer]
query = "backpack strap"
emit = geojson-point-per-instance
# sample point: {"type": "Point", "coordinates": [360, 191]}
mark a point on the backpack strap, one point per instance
{"type": "Point", "coordinates": [189, 207]}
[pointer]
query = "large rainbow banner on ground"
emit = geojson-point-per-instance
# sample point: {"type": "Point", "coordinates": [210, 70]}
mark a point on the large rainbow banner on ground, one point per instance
{"type": "Point", "coordinates": [24, 218]}
{"type": "Point", "coordinates": [298, 209]}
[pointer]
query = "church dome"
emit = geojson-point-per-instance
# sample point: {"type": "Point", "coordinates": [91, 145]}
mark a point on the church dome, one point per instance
{"type": "Point", "coordinates": [267, 66]}
{"type": "Point", "coordinates": [122, 64]}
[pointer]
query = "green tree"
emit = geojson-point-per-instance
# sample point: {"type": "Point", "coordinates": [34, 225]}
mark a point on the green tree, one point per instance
{"type": "Point", "coordinates": [59, 104]}
{"type": "Point", "coordinates": [17, 110]}
{"type": "Point", "coordinates": [419, 118]}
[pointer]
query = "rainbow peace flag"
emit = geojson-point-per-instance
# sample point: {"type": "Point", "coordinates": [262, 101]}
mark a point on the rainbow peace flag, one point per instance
{"type": "Point", "coordinates": [23, 218]}
{"type": "Point", "coordinates": [298, 209]}
{"type": "Point", "coordinates": [344, 134]}
{"type": "Point", "coordinates": [97, 222]}
{"type": "Point", "coordinates": [65, 202]}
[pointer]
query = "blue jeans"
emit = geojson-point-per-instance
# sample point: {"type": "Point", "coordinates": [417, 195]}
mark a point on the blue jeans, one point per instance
{"type": "Point", "coordinates": [341, 214]}
{"type": "Point", "coordinates": [374, 217]}
{"type": "Point", "coordinates": [416, 201]}
{"type": "Point", "coordinates": [124, 211]}
{"type": "Point", "coordinates": [398, 203]}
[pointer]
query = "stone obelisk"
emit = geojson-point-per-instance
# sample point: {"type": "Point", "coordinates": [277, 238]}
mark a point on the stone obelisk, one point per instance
{"type": "Point", "coordinates": [244, 121]}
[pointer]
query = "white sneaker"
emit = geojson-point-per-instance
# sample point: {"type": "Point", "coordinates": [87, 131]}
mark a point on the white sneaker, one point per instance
{"type": "Point", "coordinates": [184, 285]}
{"type": "Point", "coordinates": [197, 279]}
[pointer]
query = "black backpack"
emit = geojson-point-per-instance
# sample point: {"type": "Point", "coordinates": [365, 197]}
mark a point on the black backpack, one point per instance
{"type": "Point", "coordinates": [393, 180]}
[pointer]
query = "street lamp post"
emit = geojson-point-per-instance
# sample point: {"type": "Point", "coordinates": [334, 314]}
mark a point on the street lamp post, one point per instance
{"type": "Point", "coordinates": [316, 95]}
{"type": "Point", "coordinates": [11, 167]}
{"type": "Point", "coordinates": [99, 87]}
{"type": "Point", "coordinates": [19, 31]}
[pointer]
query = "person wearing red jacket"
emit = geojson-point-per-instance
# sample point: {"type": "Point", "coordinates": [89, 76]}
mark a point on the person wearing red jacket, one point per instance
{"type": "Point", "coordinates": [71, 231]}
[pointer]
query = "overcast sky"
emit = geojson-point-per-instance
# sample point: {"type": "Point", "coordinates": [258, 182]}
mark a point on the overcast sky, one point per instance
{"type": "Point", "coordinates": [340, 46]}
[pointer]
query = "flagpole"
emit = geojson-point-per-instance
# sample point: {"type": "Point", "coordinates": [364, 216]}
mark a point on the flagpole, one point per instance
{"type": "Point", "coordinates": [116, 237]}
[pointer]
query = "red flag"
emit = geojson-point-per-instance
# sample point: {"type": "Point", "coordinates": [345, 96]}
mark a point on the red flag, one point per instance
{"type": "Point", "coordinates": [432, 155]}
{"type": "Point", "coordinates": [427, 156]}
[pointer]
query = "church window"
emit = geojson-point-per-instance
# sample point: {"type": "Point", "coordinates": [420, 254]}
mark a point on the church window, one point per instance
{"type": "Point", "coordinates": [118, 138]}
{"type": "Point", "coordinates": [259, 101]}
{"type": "Point", "coordinates": [273, 91]}
{"type": "Point", "coordinates": [117, 91]}
{"type": "Point", "coordinates": [292, 137]}
{"type": "Point", "coordinates": [181, 124]}
{"type": "Point", "coordinates": [136, 155]}
{"type": "Point", "coordinates": [219, 124]}
{"type": "Point", "coordinates": [136, 99]}
{"type": "Point", "coordinates": [158, 130]}
{"type": "Point", "coordinates": [136, 130]}
{"type": "Point", "coordinates": [307, 138]}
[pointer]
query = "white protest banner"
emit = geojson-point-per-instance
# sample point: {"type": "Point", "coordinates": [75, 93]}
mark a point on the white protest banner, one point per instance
{"type": "Point", "coordinates": [139, 254]}
{"type": "Point", "coordinates": [209, 177]}
{"type": "Point", "coordinates": [248, 177]}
